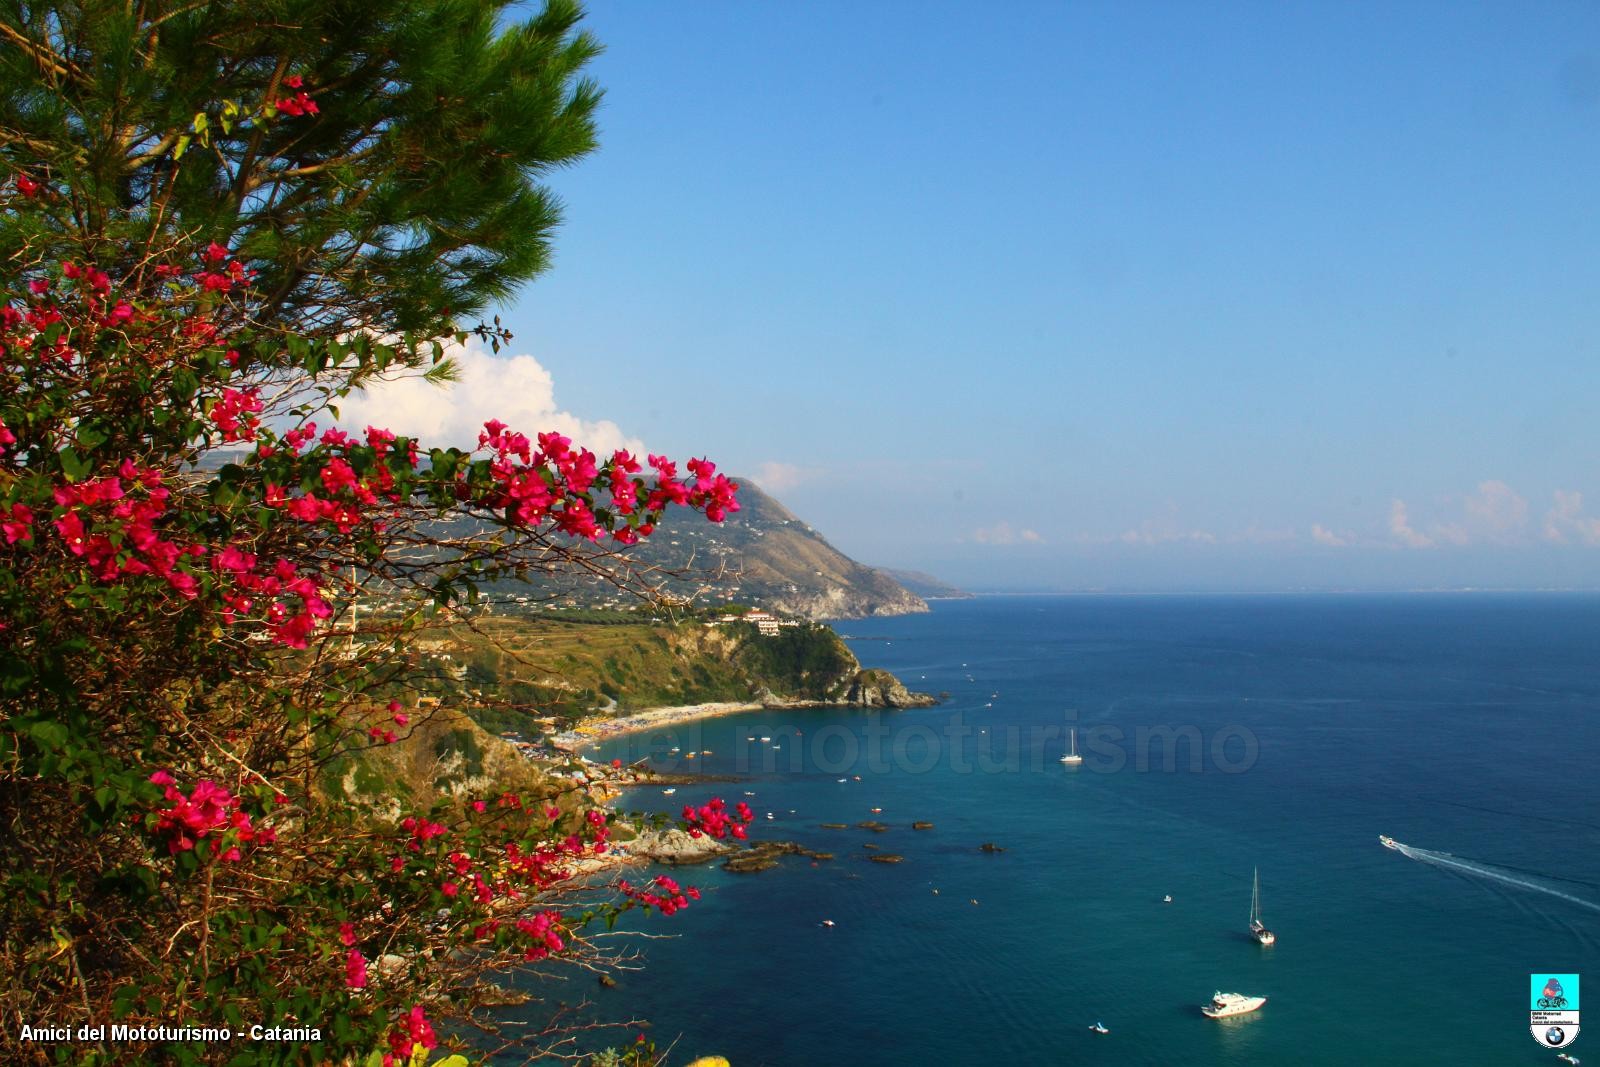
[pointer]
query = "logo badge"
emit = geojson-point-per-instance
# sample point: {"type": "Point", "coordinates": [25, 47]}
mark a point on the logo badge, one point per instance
{"type": "Point", "coordinates": [1553, 1008]}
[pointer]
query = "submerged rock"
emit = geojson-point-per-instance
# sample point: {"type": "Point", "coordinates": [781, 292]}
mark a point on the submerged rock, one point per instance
{"type": "Point", "coordinates": [764, 855]}
{"type": "Point", "coordinates": [990, 846]}
{"type": "Point", "coordinates": [885, 857]}
{"type": "Point", "coordinates": [873, 825]}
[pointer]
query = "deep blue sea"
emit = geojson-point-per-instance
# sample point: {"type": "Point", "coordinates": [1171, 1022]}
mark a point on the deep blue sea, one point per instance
{"type": "Point", "coordinates": [1299, 729]}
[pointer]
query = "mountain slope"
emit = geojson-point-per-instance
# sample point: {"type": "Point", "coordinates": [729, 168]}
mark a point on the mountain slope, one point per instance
{"type": "Point", "coordinates": [766, 556]}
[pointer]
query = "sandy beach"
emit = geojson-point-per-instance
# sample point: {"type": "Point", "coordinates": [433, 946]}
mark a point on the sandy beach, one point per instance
{"type": "Point", "coordinates": [596, 729]}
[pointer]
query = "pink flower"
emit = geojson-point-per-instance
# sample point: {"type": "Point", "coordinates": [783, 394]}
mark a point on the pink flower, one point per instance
{"type": "Point", "coordinates": [355, 970]}
{"type": "Point", "coordinates": [347, 934]}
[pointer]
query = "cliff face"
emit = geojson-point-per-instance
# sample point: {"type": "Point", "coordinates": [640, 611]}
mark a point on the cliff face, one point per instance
{"type": "Point", "coordinates": [764, 555]}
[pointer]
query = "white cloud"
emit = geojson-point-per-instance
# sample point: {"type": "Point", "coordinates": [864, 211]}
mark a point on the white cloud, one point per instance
{"type": "Point", "coordinates": [1324, 536]}
{"type": "Point", "coordinates": [1001, 533]}
{"type": "Point", "coordinates": [775, 477]}
{"type": "Point", "coordinates": [1496, 513]}
{"type": "Point", "coordinates": [1163, 531]}
{"type": "Point", "coordinates": [1400, 527]}
{"type": "Point", "coordinates": [1565, 520]}
{"type": "Point", "coordinates": [517, 390]}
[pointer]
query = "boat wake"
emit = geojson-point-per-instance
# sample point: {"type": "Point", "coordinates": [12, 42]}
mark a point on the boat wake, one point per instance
{"type": "Point", "coordinates": [1473, 869]}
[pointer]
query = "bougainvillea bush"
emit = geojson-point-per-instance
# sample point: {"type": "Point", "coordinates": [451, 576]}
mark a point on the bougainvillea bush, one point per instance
{"type": "Point", "coordinates": [169, 691]}
{"type": "Point", "coordinates": [184, 529]}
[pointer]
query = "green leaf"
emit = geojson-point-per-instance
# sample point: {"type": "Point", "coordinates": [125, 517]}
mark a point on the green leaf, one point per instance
{"type": "Point", "coordinates": [50, 735]}
{"type": "Point", "coordinates": [74, 466]}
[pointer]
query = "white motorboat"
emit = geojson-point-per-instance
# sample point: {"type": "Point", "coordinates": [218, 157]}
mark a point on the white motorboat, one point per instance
{"type": "Point", "coordinates": [668, 792]}
{"type": "Point", "coordinates": [1167, 899]}
{"type": "Point", "coordinates": [1224, 1005]}
{"type": "Point", "coordinates": [1100, 1027]}
{"type": "Point", "coordinates": [1388, 842]}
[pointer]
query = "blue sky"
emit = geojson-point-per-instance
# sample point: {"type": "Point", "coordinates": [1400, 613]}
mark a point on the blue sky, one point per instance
{"type": "Point", "coordinates": [1151, 296]}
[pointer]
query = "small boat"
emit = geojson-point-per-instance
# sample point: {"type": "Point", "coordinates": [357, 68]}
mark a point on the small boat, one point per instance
{"type": "Point", "coordinates": [842, 781]}
{"type": "Point", "coordinates": [1072, 755]}
{"type": "Point", "coordinates": [1167, 899]}
{"type": "Point", "coordinates": [877, 811]}
{"type": "Point", "coordinates": [1388, 842]}
{"type": "Point", "coordinates": [766, 739]}
{"type": "Point", "coordinates": [1570, 1059]}
{"type": "Point", "coordinates": [855, 777]}
{"type": "Point", "coordinates": [672, 751]}
{"type": "Point", "coordinates": [771, 816]}
{"type": "Point", "coordinates": [827, 922]}
{"type": "Point", "coordinates": [1100, 1027]}
{"type": "Point", "coordinates": [1257, 929]}
{"type": "Point", "coordinates": [1224, 1005]}
{"type": "Point", "coordinates": [668, 792]}
{"type": "Point", "coordinates": [748, 793]}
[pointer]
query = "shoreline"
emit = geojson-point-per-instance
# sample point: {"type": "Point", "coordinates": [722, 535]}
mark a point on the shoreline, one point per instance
{"type": "Point", "coordinates": [594, 730]}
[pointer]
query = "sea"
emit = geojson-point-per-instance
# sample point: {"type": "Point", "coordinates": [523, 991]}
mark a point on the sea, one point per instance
{"type": "Point", "coordinates": [1222, 736]}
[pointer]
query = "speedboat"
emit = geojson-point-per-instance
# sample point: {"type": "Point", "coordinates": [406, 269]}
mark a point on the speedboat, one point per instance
{"type": "Point", "coordinates": [1224, 1005]}
{"type": "Point", "coordinates": [1100, 1027]}
{"type": "Point", "coordinates": [1388, 842]}
{"type": "Point", "coordinates": [668, 792]}
{"type": "Point", "coordinates": [766, 739]}
{"type": "Point", "coordinates": [877, 811]}
{"type": "Point", "coordinates": [1167, 899]}
{"type": "Point", "coordinates": [842, 781]}
{"type": "Point", "coordinates": [771, 816]}
{"type": "Point", "coordinates": [827, 922]}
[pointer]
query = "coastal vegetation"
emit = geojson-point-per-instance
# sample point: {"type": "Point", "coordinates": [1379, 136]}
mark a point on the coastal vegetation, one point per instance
{"type": "Point", "coordinates": [521, 673]}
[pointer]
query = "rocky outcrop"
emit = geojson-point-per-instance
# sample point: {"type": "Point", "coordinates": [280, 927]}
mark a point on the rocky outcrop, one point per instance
{"type": "Point", "coordinates": [873, 688]}
{"type": "Point", "coordinates": [677, 847]}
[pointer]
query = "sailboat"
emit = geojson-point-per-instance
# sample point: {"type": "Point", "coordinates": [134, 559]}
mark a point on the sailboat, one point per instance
{"type": "Point", "coordinates": [1072, 756]}
{"type": "Point", "coordinates": [1257, 929]}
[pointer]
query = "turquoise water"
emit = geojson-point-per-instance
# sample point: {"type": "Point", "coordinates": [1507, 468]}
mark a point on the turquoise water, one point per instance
{"type": "Point", "coordinates": [1465, 724]}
